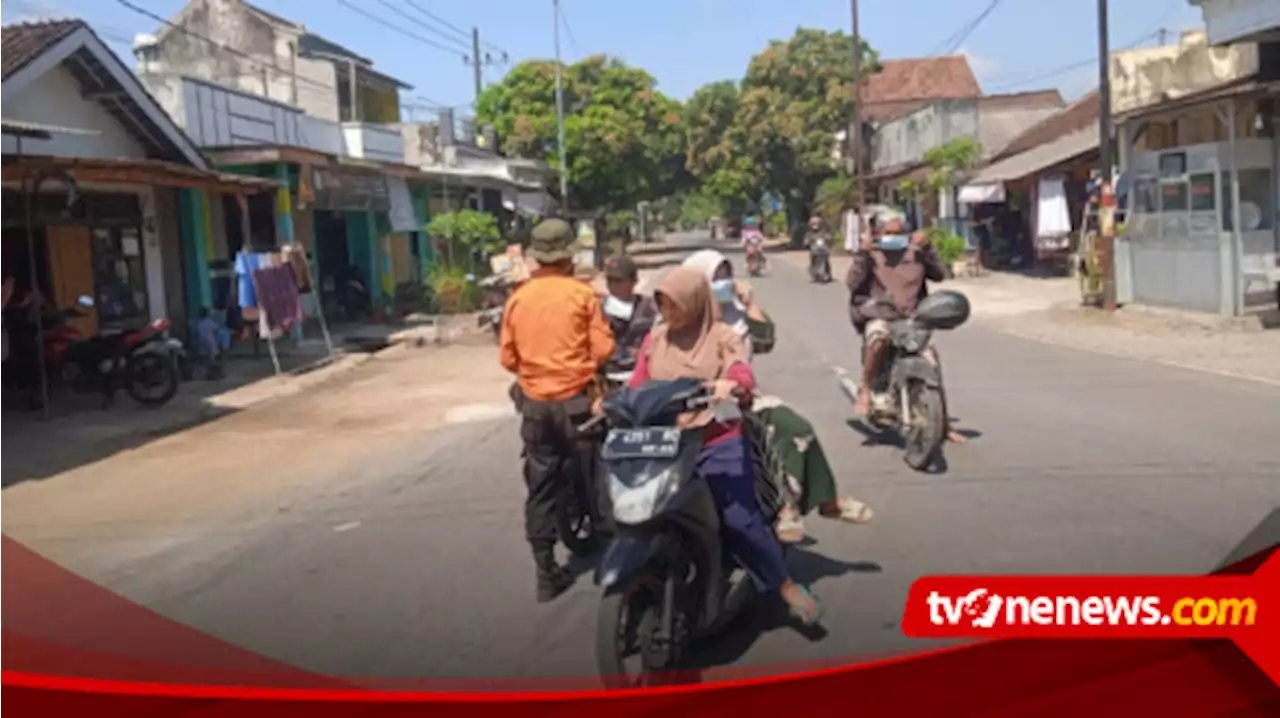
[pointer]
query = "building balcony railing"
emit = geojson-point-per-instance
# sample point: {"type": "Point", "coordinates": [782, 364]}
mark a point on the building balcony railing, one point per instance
{"type": "Point", "coordinates": [217, 116]}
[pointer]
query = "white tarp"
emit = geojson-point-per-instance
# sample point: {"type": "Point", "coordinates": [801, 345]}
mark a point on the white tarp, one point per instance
{"type": "Point", "coordinates": [982, 193]}
{"type": "Point", "coordinates": [1053, 217]}
{"type": "Point", "coordinates": [401, 213]}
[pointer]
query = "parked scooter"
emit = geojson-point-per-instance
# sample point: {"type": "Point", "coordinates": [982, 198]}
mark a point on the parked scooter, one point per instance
{"type": "Point", "coordinates": [906, 393]}
{"type": "Point", "coordinates": [145, 363]}
{"type": "Point", "coordinates": [819, 260]}
{"type": "Point", "coordinates": [667, 580]}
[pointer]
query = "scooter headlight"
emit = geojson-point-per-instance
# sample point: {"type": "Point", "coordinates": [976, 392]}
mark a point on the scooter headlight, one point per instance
{"type": "Point", "coordinates": [646, 489]}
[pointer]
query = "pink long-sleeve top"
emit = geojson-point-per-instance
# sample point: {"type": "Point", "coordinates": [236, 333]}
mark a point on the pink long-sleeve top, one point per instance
{"type": "Point", "coordinates": [716, 431]}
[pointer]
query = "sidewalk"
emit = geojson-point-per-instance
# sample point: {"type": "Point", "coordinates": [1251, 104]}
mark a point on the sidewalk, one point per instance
{"type": "Point", "coordinates": [78, 431]}
{"type": "Point", "coordinates": [1049, 310]}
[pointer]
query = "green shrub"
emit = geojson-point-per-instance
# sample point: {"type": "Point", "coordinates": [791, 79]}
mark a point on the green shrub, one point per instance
{"type": "Point", "coordinates": [949, 244]}
{"type": "Point", "coordinates": [453, 290]}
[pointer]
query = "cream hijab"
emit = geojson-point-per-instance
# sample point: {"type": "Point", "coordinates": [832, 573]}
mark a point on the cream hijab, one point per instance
{"type": "Point", "coordinates": [733, 313]}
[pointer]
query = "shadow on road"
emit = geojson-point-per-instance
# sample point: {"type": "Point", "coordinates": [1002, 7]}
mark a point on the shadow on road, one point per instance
{"type": "Point", "coordinates": [770, 613]}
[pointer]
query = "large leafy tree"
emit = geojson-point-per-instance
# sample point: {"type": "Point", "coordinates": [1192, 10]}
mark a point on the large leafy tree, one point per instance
{"type": "Point", "coordinates": [623, 138]}
{"type": "Point", "coordinates": [776, 130]}
{"type": "Point", "coordinates": [796, 96]}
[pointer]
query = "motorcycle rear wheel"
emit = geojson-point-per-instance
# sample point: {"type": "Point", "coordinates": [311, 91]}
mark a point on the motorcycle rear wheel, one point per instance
{"type": "Point", "coordinates": [924, 438]}
{"type": "Point", "coordinates": [628, 623]}
{"type": "Point", "coordinates": [152, 379]}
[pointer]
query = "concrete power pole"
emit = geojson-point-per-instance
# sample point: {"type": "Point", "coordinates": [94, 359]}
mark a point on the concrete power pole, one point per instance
{"type": "Point", "coordinates": [475, 61]}
{"type": "Point", "coordinates": [564, 165]}
{"type": "Point", "coordinates": [1106, 224]}
{"type": "Point", "coordinates": [855, 123]}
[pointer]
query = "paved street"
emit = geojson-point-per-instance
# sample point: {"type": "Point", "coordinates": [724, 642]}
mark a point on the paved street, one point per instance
{"type": "Point", "coordinates": [366, 541]}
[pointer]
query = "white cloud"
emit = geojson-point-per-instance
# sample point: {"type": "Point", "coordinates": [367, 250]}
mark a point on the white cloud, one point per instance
{"type": "Point", "coordinates": [984, 67]}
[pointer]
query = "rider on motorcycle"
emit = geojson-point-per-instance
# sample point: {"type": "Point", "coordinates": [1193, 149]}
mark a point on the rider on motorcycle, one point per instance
{"type": "Point", "coordinates": [752, 239]}
{"type": "Point", "coordinates": [890, 264]}
{"type": "Point", "coordinates": [630, 315]}
{"type": "Point", "coordinates": [817, 230]}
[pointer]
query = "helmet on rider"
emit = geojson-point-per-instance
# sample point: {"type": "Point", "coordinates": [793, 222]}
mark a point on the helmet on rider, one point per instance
{"type": "Point", "coordinates": [815, 222]}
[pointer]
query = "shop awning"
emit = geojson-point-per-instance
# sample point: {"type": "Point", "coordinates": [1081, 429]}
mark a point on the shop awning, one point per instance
{"type": "Point", "coordinates": [1040, 158]}
{"type": "Point", "coordinates": [134, 171]}
{"type": "Point", "coordinates": [982, 193]}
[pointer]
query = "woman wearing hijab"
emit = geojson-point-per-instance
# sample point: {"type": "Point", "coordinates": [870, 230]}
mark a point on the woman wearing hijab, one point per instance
{"type": "Point", "coordinates": [691, 343]}
{"type": "Point", "coordinates": [809, 479]}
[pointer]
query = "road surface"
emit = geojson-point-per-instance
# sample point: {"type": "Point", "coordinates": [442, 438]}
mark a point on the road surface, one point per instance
{"type": "Point", "coordinates": [407, 559]}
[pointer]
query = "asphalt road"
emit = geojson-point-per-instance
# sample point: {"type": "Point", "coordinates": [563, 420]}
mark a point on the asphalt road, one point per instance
{"type": "Point", "coordinates": [412, 563]}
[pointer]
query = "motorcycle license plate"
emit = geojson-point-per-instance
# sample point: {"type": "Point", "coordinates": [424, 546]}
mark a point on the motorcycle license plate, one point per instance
{"type": "Point", "coordinates": [647, 443]}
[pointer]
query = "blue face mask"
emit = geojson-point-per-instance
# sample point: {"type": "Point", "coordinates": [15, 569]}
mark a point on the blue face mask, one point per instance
{"type": "Point", "coordinates": [722, 289]}
{"type": "Point", "coordinates": [892, 242]}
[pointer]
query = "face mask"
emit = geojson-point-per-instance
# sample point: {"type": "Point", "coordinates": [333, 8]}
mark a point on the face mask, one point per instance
{"type": "Point", "coordinates": [618, 308]}
{"type": "Point", "coordinates": [722, 289]}
{"type": "Point", "coordinates": [893, 242]}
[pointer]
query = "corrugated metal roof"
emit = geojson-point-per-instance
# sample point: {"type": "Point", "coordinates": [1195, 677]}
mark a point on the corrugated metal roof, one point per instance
{"type": "Point", "coordinates": [1041, 157]}
{"type": "Point", "coordinates": [36, 129]}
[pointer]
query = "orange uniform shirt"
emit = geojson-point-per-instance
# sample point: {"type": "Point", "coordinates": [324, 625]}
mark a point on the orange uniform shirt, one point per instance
{"type": "Point", "coordinates": [554, 336]}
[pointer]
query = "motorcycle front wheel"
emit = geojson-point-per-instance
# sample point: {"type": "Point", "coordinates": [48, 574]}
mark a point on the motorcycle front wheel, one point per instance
{"type": "Point", "coordinates": [628, 652]}
{"type": "Point", "coordinates": [152, 379]}
{"type": "Point", "coordinates": [574, 522]}
{"type": "Point", "coordinates": [928, 429]}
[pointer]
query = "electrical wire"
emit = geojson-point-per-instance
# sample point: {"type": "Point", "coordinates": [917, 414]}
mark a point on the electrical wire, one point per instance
{"type": "Point", "coordinates": [424, 25]}
{"type": "Point", "coordinates": [392, 26]}
{"type": "Point", "coordinates": [957, 39]}
{"type": "Point", "coordinates": [463, 33]}
{"type": "Point", "coordinates": [1055, 72]}
{"type": "Point", "coordinates": [564, 21]}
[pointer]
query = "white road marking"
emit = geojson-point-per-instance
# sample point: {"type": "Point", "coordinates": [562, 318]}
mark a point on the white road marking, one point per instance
{"type": "Point", "coordinates": [346, 527]}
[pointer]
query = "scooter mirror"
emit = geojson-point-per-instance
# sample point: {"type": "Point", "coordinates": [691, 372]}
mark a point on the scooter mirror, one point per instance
{"type": "Point", "coordinates": [85, 300]}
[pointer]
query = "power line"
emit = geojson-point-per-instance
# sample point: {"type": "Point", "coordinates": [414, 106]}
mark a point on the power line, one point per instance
{"type": "Point", "coordinates": [392, 26]}
{"type": "Point", "coordinates": [956, 39]}
{"type": "Point", "coordinates": [1073, 66]}
{"type": "Point", "coordinates": [568, 30]}
{"type": "Point", "coordinates": [462, 33]}
{"type": "Point", "coordinates": [422, 24]}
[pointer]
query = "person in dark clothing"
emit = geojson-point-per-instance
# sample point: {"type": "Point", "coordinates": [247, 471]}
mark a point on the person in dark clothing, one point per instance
{"type": "Point", "coordinates": [897, 266]}
{"type": "Point", "coordinates": [630, 315]}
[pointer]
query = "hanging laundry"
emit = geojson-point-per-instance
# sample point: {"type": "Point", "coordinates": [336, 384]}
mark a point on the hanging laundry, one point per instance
{"type": "Point", "coordinates": [296, 257]}
{"type": "Point", "coordinates": [1054, 219]}
{"type": "Point", "coordinates": [246, 263]}
{"type": "Point", "coordinates": [279, 296]}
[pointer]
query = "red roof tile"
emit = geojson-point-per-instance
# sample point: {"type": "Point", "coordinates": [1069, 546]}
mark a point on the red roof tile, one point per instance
{"type": "Point", "coordinates": [1077, 116]}
{"type": "Point", "coordinates": [902, 86]}
{"type": "Point", "coordinates": [22, 43]}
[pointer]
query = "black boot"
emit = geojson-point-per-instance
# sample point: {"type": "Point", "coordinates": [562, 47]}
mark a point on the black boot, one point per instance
{"type": "Point", "coordinates": [552, 579]}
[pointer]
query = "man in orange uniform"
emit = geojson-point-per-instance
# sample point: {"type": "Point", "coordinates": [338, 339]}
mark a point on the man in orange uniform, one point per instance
{"type": "Point", "coordinates": [554, 339]}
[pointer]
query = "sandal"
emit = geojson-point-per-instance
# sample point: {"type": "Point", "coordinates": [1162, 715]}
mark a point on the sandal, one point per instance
{"type": "Point", "coordinates": [790, 528]}
{"type": "Point", "coordinates": [851, 511]}
{"type": "Point", "coordinates": [810, 615]}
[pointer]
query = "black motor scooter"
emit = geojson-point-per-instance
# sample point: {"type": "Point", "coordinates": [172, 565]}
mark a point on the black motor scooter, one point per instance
{"type": "Point", "coordinates": [819, 260]}
{"type": "Point", "coordinates": [666, 577]}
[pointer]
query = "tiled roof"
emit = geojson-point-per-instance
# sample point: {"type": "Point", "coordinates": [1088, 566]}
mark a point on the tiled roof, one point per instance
{"type": "Point", "coordinates": [902, 86]}
{"type": "Point", "coordinates": [1033, 98]}
{"type": "Point", "coordinates": [22, 43]}
{"type": "Point", "coordinates": [1077, 116]}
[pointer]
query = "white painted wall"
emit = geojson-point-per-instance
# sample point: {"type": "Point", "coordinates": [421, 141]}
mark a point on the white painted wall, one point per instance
{"type": "Point", "coordinates": [54, 99]}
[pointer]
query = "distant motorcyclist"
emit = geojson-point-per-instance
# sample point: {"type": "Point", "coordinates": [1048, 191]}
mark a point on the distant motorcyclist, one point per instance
{"type": "Point", "coordinates": [896, 265]}
{"type": "Point", "coordinates": [816, 230]}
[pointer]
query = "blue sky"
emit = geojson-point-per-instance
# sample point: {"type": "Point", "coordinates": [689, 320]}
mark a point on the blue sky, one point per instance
{"type": "Point", "coordinates": [685, 43]}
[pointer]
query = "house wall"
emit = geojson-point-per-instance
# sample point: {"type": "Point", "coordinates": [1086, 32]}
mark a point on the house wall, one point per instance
{"type": "Point", "coordinates": [1148, 76]}
{"type": "Point", "coordinates": [905, 140]}
{"type": "Point", "coordinates": [1234, 20]}
{"type": "Point", "coordinates": [55, 99]}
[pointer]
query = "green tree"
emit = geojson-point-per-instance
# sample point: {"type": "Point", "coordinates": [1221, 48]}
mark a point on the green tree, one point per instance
{"type": "Point", "coordinates": [623, 137]}
{"type": "Point", "coordinates": [834, 196]}
{"type": "Point", "coordinates": [716, 154]}
{"type": "Point", "coordinates": [950, 162]}
{"type": "Point", "coordinates": [797, 94]}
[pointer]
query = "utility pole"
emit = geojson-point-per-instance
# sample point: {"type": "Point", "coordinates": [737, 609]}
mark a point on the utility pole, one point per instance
{"type": "Point", "coordinates": [855, 123]}
{"type": "Point", "coordinates": [1106, 214]}
{"type": "Point", "coordinates": [564, 165]}
{"type": "Point", "coordinates": [475, 60]}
